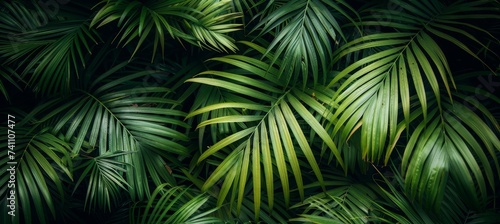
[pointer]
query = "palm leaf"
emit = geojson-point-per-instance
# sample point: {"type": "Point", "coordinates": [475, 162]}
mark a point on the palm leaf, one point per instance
{"type": "Point", "coordinates": [276, 131]}
{"type": "Point", "coordinates": [346, 201]}
{"type": "Point", "coordinates": [47, 54]}
{"type": "Point", "coordinates": [40, 159]}
{"type": "Point", "coordinates": [105, 180]}
{"type": "Point", "coordinates": [120, 113]}
{"type": "Point", "coordinates": [461, 142]}
{"type": "Point", "coordinates": [226, 211]}
{"type": "Point", "coordinates": [407, 62]}
{"type": "Point", "coordinates": [407, 211]}
{"type": "Point", "coordinates": [202, 23]}
{"type": "Point", "coordinates": [177, 204]}
{"type": "Point", "coordinates": [397, 207]}
{"type": "Point", "coordinates": [8, 75]}
{"type": "Point", "coordinates": [305, 32]}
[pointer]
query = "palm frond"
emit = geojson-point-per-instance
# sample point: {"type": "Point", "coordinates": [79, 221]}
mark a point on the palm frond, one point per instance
{"type": "Point", "coordinates": [267, 129]}
{"type": "Point", "coordinates": [360, 200]}
{"type": "Point", "coordinates": [248, 7]}
{"type": "Point", "coordinates": [226, 211]}
{"type": "Point", "coordinates": [104, 174]}
{"type": "Point", "coordinates": [202, 23]}
{"type": "Point", "coordinates": [293, 127]}
{"type": "Point", "coordinates": [118, 112]}
{"type": "Point", "coordinates": [408, 61]}
{"type": "Point", "coordinates": [39, 161]}
{"type": "Point", "coordinates": [11, 76]}
{"type": "Point", "coordinates": [406, 211]}
{"type": "Point", "coordinates": [346, 201]}
{"type": "Point", "coordinates": [46, 54]}
{"type": "Point", "coordinates": [174, 204]}
{"type": "Point", "coordinates": [460, 141]}
{"type": "Point", "coordinates": [214, 21]}
{"type": "Point", "coordinates": [305, 34]}
{"type": "Point", "coordinates": [482, 217]}
{"type": "Point", "coordinates": [398, 207]}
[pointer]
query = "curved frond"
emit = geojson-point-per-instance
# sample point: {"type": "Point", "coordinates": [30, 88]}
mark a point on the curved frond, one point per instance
{"type": "Point", "coordinates": [47, 54]}
{"type": "Point", "coordinates": [202, 23]}
{"type": "Point", "coordinates": [398, 206]}
{"type": "Point", "coordinates": [457, 146]}
{"type": "Point", "coordinates": [346, 202]}
{"type": "Point", "coordinates": [37, 161]}
{"type": "Point", "coordinates": [119, 113]}
{"type": "Point", "coordinates": [268, 129]}
{"type": "Point", "coordinates": [408, 63]}
{"type": "Point", "coordinates": [9, 75]}
{"type": "Point", "coordinates": [305, 34]}
{"type": "Point", "coordinates": [174, 204]}
{"type": "Point", "coordinates": [104, 180]}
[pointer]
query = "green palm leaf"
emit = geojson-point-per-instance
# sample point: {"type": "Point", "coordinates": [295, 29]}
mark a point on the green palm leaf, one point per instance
{"type": "Point", "coordinates": [226, 211]}
{"type": "Point", "coordinates": [105, 180]}
{"type": "Point", "coordinates": [407, 211]}
{"type": "Point", "coordinates": [295, 127]}
{"type": "Point", "coordinates": [305, 32]}
{"type": "Point", "coordinates": [174, 204]}
{"type": "Point", "coordinates": [202, 23]}
{"type": "Point", "coordinates": [346, 201]}
{"type": "Point", "coordinates": [460, 141]}
{"type": "Point", "coordinates": [8, 75]}
{"type": "Point", "coordinates": [397, 207]}
{"type": "Point", "coordinates": [41, 160]}
{"type": "Point", "coordinates": [119, 113]}
{"type": "Point", "coordinates": [47, 54]}
{"type": "Point", "coordinates": [276, 132]}
{"type": "Point", "coordinates": [407, 61]}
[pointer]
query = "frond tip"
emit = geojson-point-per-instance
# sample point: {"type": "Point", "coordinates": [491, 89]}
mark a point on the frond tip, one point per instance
{"type": "Point", "coordinates": [201, 23]}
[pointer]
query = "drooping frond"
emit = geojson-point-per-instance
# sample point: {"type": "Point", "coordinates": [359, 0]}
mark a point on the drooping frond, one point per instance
{"type": "Point", "coordinates": [305, 33]}
{"type": "Point", "coordinates": [37, 161]}
{"type": "Point", "coordinates": [456, 146]}
{"type": "Point", "coordinates": [201, 23]}
{"type": "Point", "coordinates": [105, 180]}
{"type": "Point", "coordinates": [120, 113]}
{"type": "Point", "coordinates": [9, 75]}
{"type": "Point", "coordinates": [48, 56]}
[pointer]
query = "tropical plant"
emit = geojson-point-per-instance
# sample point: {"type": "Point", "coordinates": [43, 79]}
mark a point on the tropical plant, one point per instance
{"type": "Point", "coordinates": [233, 111]}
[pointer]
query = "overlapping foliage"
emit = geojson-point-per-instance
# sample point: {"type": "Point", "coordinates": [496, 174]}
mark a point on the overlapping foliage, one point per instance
{"type": "Point", "coordinates": [185, 111]}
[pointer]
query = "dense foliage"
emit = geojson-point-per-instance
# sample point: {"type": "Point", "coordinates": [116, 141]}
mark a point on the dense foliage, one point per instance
{"type": "Point", "coordinates": [237, 111]}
